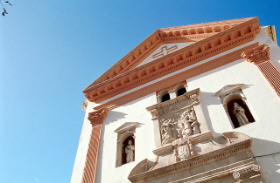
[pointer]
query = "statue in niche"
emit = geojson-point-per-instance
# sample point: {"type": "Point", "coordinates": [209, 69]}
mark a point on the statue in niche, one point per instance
{"type": "Point", "coordinates": [129, 151]}
{"type": "Point", "coordinates": [168, 132]}
{"type": "Point", "coordinates": [239, 113]}
{"type": "Point", "coordinates": [188, 124]}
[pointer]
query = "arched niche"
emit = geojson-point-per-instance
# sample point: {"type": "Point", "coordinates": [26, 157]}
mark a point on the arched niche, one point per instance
{"type": "Point", "coordinates": [128, 142]}
{"type": "Point", "coordinates": [125, 133]}
{"type": "Point", "coordinates": [237, 110]}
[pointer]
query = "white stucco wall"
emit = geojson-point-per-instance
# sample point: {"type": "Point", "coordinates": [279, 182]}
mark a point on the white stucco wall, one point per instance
{"type": "Point", "coordinates": [81, 154]}
{"type": "Point", "coordinates": [134, 111]}
{"type": "Point", "coordinates": [262, 100]}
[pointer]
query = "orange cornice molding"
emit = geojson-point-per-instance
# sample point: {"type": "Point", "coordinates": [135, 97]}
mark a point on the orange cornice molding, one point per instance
{"type": "Point", "coordinates": [188, 33]}
{"type": "Point", "coordinates": [170, 81]}
{"type": "Point", "coordinates": [184, 57]}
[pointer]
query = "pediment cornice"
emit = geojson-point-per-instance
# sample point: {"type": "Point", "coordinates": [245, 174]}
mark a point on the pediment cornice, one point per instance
{"type": "Point", "coordinates": [187, 33]}
{"type": "Point", "coordinates": [228, 37]}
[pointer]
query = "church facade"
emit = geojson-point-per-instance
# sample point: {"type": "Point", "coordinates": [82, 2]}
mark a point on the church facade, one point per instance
{"type": "Point", "coordinates": [195, 103]}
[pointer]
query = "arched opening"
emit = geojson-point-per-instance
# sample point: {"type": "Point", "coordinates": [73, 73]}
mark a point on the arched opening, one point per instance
{"type": "Point", "coordinates": [239, 112]}
{"type": "Point", "coordinates": [181, 91]}
{"type": "Point", "coordinates": [128, 150]}
{"type": "Point", "coordinates": [165, 97]}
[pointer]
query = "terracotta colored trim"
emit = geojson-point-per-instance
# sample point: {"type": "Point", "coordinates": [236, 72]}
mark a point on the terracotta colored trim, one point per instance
{"type": "Point", "coordinates": [177, 60]}
{"type": "Point", "coordinates": [172, 87]}
{"type": "Point", "coordinates": [90, 170]}
{"type": "Point", "coordinates": [257, 55]}
{"type": "Point", "coordinates": [195, 71]}
{"type": "Point", "coordinates": [272, 74]}
{"type": "Point", "coordinates": [188, 33]}
{"type": "Point", "coordinates": [96, 118]}
{"type": "Point", "coordinates": [261, 57]}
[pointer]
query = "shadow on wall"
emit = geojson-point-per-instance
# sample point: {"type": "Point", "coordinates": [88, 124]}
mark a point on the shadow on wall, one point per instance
{"type": "Point", "coordinates": [267, 154]}
{"type": "Point", "coordinates": [207, 99]}
{"type": "Point", "coordinates": [111, 117]}
{"type": "Point", "coordinates": [228, 65]}
{"type": "Point", "coordinates": [114, 116]}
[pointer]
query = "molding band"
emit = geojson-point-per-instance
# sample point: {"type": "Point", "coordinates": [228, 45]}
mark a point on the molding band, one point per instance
{"type": "Point", "coordinates": [186, 33]}
{"type": "Point", "coordinates": [210, 65]}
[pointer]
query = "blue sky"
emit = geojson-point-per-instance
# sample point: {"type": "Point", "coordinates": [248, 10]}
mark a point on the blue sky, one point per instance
{"type": "Point", "coordinates": [51, 50]}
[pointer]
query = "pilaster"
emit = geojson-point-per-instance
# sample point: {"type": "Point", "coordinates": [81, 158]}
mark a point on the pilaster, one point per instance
{"type": "Point", "coordinates": [96, 118]}
{"type": "Point", "coordinates": [260, 56]}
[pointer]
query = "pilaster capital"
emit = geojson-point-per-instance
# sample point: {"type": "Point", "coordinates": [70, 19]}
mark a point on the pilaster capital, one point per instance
{"type": "Point", "coordinates": [98, 117]}
{"type": "Point", "coordinates": [258, 54]}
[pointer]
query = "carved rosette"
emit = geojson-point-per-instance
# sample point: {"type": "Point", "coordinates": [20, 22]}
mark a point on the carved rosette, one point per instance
{"type": "Point", "coordinates": [97, 117]}
{"type": "Point", "coordinates": [257, 55]}
{"type": "Point", "coordinates": [247, 172]}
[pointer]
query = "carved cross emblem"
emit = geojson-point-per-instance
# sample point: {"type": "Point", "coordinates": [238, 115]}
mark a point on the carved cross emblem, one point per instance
{"type": "Point", "coordinates": [164, 51]}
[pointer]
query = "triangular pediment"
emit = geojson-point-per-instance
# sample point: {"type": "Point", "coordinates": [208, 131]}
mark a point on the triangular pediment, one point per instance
{"type": "Point", "coordinates": [182, 35]}
{"type": "Point", "coordinates": [168, 50]}
{"type": "Point", "coordinates": [164, 50]}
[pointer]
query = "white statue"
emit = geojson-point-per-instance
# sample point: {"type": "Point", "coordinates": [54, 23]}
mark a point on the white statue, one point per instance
{"type": "Point", "coordinates": [129, 151]}
{"type": "Point", "coordinates": [239, 113]}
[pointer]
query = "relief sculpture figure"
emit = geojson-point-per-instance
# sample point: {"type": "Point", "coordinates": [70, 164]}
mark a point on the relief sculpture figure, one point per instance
{"type": "Point", "coordinates": [168, 131]}
{"type": "Point", "coordinates": [239, 113]}
{"type": "Point", "coordinates": [188, 124]}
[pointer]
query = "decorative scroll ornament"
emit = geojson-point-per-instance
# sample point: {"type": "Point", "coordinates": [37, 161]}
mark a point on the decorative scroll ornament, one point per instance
{"type": "Point", "coordinates": [258, 54]}
{"type": "Point", "coordinates": [97, 117]}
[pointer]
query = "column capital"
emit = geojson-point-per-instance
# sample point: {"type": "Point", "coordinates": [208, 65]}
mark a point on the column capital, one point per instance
{"type": "Point", "coordinates": [98, 117]}
{"type": "Point", "coordinates": [258, 54]}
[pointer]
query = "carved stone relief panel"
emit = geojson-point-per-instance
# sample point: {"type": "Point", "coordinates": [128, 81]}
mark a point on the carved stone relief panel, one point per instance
{"type": "Point", "coordinates": [177, 118]}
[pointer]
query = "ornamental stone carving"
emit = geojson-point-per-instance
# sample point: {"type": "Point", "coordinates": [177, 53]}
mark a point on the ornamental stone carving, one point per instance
{"type": "Point", "coordinates": [246, 173]}
{"type": "Point", "coordinates": [202, 158]}
{"type": "Point", "coordinates": [97, 117]}
{"type": "Point", "coordinates": [177, 117]}
{"type": "Point", "coordinates": [258, 54]}
{"type": "Point", "coordinates": [168, 131]}
{"type": "Point", "coordinates": [188, 124]}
